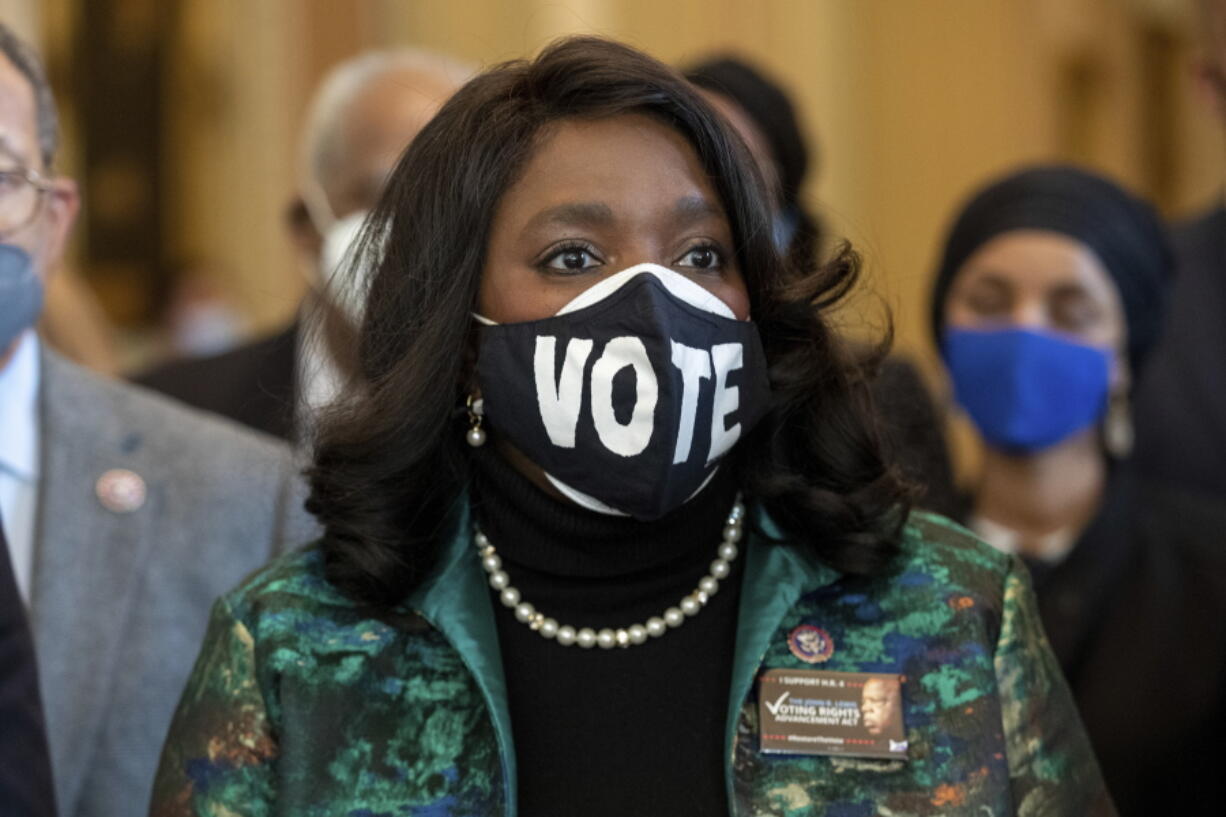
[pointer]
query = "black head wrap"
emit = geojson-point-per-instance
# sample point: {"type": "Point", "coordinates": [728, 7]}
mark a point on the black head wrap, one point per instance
{"type": "Point", "coordinates": [1121, 229]}
{"type": "Point", "coordinates": [768, 106]}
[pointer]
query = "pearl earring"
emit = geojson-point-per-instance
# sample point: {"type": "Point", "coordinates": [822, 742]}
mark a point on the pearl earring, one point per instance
{"type": "Point", "coordinates": [476, 434]}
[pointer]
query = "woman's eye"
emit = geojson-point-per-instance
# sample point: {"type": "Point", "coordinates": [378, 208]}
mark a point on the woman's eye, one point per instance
{"type": "Point", "coordinates": [1074, 315]}
{"type": "Point", "coordinates": [573, 259]}
{"type": "Point", "coordinates": [988, 302]}
{"type": "Point", "coordinates": [701, 258]}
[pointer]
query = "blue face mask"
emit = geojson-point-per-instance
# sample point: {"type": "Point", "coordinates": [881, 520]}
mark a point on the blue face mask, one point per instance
{"type": "Point", "coordinates": [1025, 390]}
{"type": "Point", "coordinates": [21, 294]}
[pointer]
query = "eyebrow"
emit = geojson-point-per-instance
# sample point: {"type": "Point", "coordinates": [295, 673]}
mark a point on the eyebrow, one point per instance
{"type": "Point", "coordinates": [987, 275]}
{"type": "Point", "coordinates": [692, 208]}
{"type": "Point", "coordinates": [575, 214]}
{"type": "Point", "coordinates": [1001, 280]}
{"type": "Point", "coordinates": [687, 210]}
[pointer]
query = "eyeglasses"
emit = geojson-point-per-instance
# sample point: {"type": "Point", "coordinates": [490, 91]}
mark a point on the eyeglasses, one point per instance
{"type": "Point", "coordinates": [21, 196]}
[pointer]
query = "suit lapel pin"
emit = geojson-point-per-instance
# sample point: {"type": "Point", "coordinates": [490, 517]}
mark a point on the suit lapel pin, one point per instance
{"type": "Point", "coordinates": [810, 644]}
{"type": "Point", "coordinates": [120, 490]}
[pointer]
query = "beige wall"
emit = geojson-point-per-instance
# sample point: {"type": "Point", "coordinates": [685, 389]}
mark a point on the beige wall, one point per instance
{"type": "Point", "coordinates": [23, 17]}
{"type": "Point", "coordinates": [910, 101]}
{"type": "Point", "coordinates": [231, 140]}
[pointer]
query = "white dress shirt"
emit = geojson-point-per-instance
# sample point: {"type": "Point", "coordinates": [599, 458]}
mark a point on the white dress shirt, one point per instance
{"type": "Point", "coordinates": [19, 457]}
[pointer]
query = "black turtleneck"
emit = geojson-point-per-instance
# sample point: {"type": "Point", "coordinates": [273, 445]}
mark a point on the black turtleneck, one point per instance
{"type": "Point", "coordinates": [597, 732]}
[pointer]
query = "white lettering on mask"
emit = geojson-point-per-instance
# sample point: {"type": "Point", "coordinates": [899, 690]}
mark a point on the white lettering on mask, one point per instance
{"type": "Point", "coordinates": [632, 438]}
{"type": "Point", "coordinates": [559, 402]}
{"type": "Point", "coordinates": [727, 358]}
{"type": "Point", "coordinates": [695, 366]}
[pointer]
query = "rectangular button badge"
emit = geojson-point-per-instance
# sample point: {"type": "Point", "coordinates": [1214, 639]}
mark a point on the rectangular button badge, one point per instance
{"type": "Point", "coordinates": [811, 712]}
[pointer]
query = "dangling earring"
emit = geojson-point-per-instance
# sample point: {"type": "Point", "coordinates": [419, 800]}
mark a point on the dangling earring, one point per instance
{"type": "Point", "coordinates": [476, 434]}
{"type": "Point", "coordinates": [1117, 427]}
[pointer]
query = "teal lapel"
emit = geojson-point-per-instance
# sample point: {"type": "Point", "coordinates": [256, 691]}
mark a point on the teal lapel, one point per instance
{"type": "Point", "coordinates": [777, 574]}
{"type": "Point", "coordinates": [456, 601]}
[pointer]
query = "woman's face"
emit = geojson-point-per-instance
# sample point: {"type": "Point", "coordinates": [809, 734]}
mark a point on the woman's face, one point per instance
{"type": "Point", "coordinates": [599, 196]}
{"type": "Point", "coordinates": [1040, 280]}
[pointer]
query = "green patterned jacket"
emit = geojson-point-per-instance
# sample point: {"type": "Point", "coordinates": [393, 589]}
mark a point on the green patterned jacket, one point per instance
{"type": "Point", "coordinates": [301, 705]}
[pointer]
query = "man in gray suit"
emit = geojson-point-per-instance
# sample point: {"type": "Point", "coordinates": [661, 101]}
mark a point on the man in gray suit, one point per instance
{"type": "Point", "coordinates": [126, 515]}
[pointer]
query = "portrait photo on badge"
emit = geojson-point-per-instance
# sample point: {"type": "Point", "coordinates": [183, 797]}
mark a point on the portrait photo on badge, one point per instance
{"type": "Point", "coordinates": [812, 712]}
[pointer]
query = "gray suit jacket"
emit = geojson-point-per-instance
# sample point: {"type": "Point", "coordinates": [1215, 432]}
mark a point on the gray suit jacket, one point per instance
{"type": "Point", "coordinates": [124, 578]}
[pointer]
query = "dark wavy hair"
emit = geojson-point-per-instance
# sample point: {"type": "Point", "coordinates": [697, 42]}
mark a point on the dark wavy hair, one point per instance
{"type": "Point", "coordinates": [390, 463]}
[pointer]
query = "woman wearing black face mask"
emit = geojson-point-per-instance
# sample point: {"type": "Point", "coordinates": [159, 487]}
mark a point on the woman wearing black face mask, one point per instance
{"type": "Point", "coordinates": [1047, 302]}
{"type": "Point", "coordinates": [607, 530]}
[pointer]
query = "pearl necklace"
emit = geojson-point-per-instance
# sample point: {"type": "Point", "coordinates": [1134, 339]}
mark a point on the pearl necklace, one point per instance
{"type": "Point", "coordinates": [608, 638]}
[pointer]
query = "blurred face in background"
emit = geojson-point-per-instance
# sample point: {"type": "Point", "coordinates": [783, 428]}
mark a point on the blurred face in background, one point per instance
{"type": "Point", "coordinates": [374, 128]}
{"type": "Point", "coordinates": [36, 209]}
{"type": "Point", "coordinates": [368, 133]}
{"type": "Point", "coordinates": [1045, 282]}
{"type": "Point", "coordinates": [371, 130]}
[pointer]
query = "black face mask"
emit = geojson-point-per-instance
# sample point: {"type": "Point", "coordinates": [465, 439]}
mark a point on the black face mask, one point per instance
{"type": "Point", "coordinates": [631, 395]}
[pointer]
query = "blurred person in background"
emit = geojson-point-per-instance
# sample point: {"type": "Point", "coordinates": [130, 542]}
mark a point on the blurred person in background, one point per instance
{"type": "Point", "coordinates": [1181, 406]}
{"type": "Point", "coordinates": [587, 209]}
{"type": "Point", "coordinates": [1046, 306]}
{"type": "Point", "coordinates": [762, 113]}
{"type": "Point", "coordinates": [199, 318]}
{"type": "Point", "coordinates": [25, 766]}
{"type": "Point", "coordinates": [363, 115]}
{"type": "Point", "coordinates": [125, 514]}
